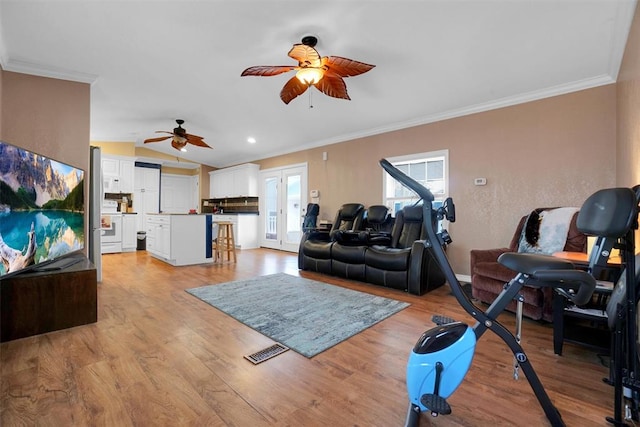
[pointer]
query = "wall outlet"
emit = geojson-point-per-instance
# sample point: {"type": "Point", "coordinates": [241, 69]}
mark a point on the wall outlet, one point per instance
{"type": "Point", "coordinates": [480, 181]}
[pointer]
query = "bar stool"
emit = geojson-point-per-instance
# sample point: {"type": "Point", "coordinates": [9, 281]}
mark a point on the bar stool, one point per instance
{"type": "Point", "coordinates": [224, 242]}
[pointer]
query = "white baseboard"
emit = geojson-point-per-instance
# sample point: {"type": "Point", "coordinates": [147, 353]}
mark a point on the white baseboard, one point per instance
{"type": "Point", "coordinates": [463, 278]}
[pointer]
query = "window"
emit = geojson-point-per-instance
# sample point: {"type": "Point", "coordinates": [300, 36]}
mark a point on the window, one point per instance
{"type": "Point", "coordinates": [429, 169]}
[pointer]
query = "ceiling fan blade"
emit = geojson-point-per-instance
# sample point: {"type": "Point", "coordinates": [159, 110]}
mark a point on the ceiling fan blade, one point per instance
{"type": "Point", "coordinates": [178, 145]}
{"type": "Point", "coordinates": [345, 67]}
{"type": "Point", "coordinates": [334, 86]}
{"type": "Point", "coordinates": [190, 135]}
{"type": "Point", "coordinates": [305, 55]}
{"type": "Point", "coordinates": [267, 70]}
{"type": "Point", "coordinates": [162, 138]}
{"type": "Point", "coordinates": [292, 89]}
{"type": "Point", "coordinates": [196, 140]}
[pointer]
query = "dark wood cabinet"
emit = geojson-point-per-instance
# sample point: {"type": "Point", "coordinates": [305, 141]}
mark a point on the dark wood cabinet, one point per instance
{"type": "Point", "coordinates": [37, 302]}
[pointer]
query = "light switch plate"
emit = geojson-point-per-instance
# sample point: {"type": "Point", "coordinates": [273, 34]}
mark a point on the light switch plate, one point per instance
{"type": "Point", "coordinates": [480, 181]}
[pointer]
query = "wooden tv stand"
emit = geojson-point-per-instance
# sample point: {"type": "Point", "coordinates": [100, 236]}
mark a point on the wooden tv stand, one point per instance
{"type": "Point", "coordinates": [33, 303]}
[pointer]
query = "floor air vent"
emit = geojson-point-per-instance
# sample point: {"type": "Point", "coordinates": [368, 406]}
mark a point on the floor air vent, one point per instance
{"type": "Point", "coordinates": [267, 353]}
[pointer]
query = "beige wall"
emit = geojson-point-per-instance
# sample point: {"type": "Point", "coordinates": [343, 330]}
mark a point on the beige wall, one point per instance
{"type": "Point", "coordinates": [628, 111]}
{"type": "Point", "coordinates": [116, 148]}
{"type": "Point", "coordinates": [552, 152]}
{"type": "Point", "coordinates": [49, 117]}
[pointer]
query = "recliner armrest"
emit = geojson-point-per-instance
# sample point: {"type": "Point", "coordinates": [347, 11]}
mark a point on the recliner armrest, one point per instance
{"type": "Point", "coordinates": [316, 234]}
{"type": "Point", "coordinates": [486, 255]}
{"type": "Point", "coordinates": [378, 238]}
{"type": "Point", "coordinates": [313, 235]}
{"type": "Point", "coordinates": [424, 271]}
{"type": "Point", "coordinates": [348, 238]}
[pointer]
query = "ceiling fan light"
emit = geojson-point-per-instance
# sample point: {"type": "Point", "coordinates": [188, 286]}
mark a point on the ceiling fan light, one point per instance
{"type": "Point", "coordinates": [179, 139]}
{"type": "Point", "coordinates": [310, 75]}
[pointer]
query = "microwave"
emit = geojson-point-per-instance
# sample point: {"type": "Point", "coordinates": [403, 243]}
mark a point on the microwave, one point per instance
{"type": "Point", "coordinates": [111, 184]}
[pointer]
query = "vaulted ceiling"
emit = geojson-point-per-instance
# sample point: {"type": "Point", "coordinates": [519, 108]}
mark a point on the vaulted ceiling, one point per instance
{"type": "Point", "coordinates": [151, 62]}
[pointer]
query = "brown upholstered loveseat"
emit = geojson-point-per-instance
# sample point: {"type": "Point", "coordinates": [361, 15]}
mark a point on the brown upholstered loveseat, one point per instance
{"type": "Point", "coordinates": [488, 277]}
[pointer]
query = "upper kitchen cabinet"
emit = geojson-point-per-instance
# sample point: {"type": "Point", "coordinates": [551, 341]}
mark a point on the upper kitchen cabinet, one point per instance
{"type": "Point", "coordinates": [236, 181]}
{"type": "Point", "coordinates": [117, 173]}
{"type": "Point", "coordinates": [127, 176]}
{"type": "Point", "coordinates": [110, 166]}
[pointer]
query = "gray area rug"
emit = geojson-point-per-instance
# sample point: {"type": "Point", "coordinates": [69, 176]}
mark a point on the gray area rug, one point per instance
{"type": "Point", "coordinates": [305, 315]}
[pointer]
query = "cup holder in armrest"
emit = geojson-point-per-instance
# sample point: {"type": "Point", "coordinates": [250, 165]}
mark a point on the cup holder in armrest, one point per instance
{"type": "Point", "coordinates": [378, 238]}
{"type": "Point", "coordinates": [359, 238]}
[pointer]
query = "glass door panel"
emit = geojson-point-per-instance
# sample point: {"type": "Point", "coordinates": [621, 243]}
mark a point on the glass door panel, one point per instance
{"type": "Point", "coordinates": [282, 206]}
{"type": "Point", "coordinates": [293, 211]}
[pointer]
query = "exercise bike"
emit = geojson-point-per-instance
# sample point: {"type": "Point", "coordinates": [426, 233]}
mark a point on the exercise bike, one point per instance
{"type": "Point", "coordinates": [442, 356]}
{"type": "Point", "coordinates": [621, 310]}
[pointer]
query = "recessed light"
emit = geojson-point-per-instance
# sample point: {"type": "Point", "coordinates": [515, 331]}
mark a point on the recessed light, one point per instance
{"type": "Point", "coordinates": [251, 140]}
{"type": "Point", "coordinates": [184, 150]}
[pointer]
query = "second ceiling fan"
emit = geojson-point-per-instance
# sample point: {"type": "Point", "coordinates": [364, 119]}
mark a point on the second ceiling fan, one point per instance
{"type": "Point", "coordinates": [179, 137]}
{"type": "Point", "coordinates": [325, 73]}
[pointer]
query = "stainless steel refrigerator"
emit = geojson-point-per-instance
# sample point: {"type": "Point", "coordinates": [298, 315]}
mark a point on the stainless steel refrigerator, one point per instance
{"type": "Point", "coordinates": [95, 205]}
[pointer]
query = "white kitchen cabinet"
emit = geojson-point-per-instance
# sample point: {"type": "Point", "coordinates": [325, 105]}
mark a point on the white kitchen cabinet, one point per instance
{"type": "Point", "coordinates": [118, 175]}
{"type": "Point", "coordinates": [129, 233]}
{"type": "Point", "coordinates": [236, 181]}
{"type": "Point", "coordinates": [246, 180]}
{"type": "Point", "coordinates": [245, 229]}
{"type": "Point", "coordinates": [164, 241]}
{"type": "Point", "coordinates": [223, 184]}
{"type": "Point", "coordinates": [110, 166]}
{"type": "Point", "coordinates": [146, 194]}
{"type": "Point", "coordinates": [179, 239]}
{"type": "Point", "coordinates": [127, 176]}
{"type": "Point", "coordinates": [158, 231]}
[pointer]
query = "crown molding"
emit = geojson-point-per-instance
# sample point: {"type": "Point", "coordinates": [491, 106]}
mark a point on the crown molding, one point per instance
{"type": "Point", "coordinates": [45, 71]}
{"type": "Point", "coordinates": [563, 89]}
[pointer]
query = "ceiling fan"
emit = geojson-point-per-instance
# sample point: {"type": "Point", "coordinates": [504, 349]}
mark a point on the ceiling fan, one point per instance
{"type": "Point", "coordinates": [325, 73]}
{"type": "Point", "coordinates": [180, 137]}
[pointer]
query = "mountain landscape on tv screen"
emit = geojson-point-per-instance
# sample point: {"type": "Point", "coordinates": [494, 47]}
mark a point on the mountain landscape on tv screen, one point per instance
{"type": "Point", "coordinates": [30, 181]}
{"type": "Point", "coordinates": [41, 208]}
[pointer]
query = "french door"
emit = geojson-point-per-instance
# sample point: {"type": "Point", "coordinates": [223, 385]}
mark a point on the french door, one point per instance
{"type": "Point", "coordinates": [283, 203]}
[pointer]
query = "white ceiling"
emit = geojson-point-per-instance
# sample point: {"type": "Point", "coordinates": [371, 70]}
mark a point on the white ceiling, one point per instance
{"type": "Point", "coordinates": [151, 62]}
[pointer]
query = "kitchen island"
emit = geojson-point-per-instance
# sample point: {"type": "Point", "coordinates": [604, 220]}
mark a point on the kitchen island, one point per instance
{"type": "Point", "coordinates": [180, 239]}
{"type": "Point", "coordinates": [245, 228]}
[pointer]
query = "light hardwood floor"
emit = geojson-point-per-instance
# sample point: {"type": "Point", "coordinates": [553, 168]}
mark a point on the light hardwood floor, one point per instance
{"type": "Point", "coordinates": [158, 356]}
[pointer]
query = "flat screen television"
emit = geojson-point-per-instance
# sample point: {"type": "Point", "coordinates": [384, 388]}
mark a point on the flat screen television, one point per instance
{"type": "Point", "coordinates": [41, 211]}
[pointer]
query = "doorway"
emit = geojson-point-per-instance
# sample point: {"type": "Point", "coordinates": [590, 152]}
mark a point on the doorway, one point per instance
{"type": "Point", "coordinates": [283, 203]}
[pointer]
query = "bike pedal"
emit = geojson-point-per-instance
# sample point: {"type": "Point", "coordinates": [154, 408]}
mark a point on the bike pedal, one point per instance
{"type": "Point", "coordinates": [441, 320]}
{"type": "Point", "coordinates": [436, 404]}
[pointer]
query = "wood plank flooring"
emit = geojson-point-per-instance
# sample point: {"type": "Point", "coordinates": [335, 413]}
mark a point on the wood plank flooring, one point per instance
{"type": "Point", "coordinates": [160, 357]}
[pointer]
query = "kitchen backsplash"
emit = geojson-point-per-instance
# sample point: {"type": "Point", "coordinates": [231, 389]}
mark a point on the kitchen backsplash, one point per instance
{"type": "Point", "coordinates": [230, 205]}
{"type": "Point", "coordinates": [124, 200]}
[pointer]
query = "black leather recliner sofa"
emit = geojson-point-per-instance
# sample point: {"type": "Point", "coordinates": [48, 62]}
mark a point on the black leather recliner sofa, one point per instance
{"type": "Point", "coordinates": [315, 246]}
{"type": "Point", "coordinates": [397, 259]}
